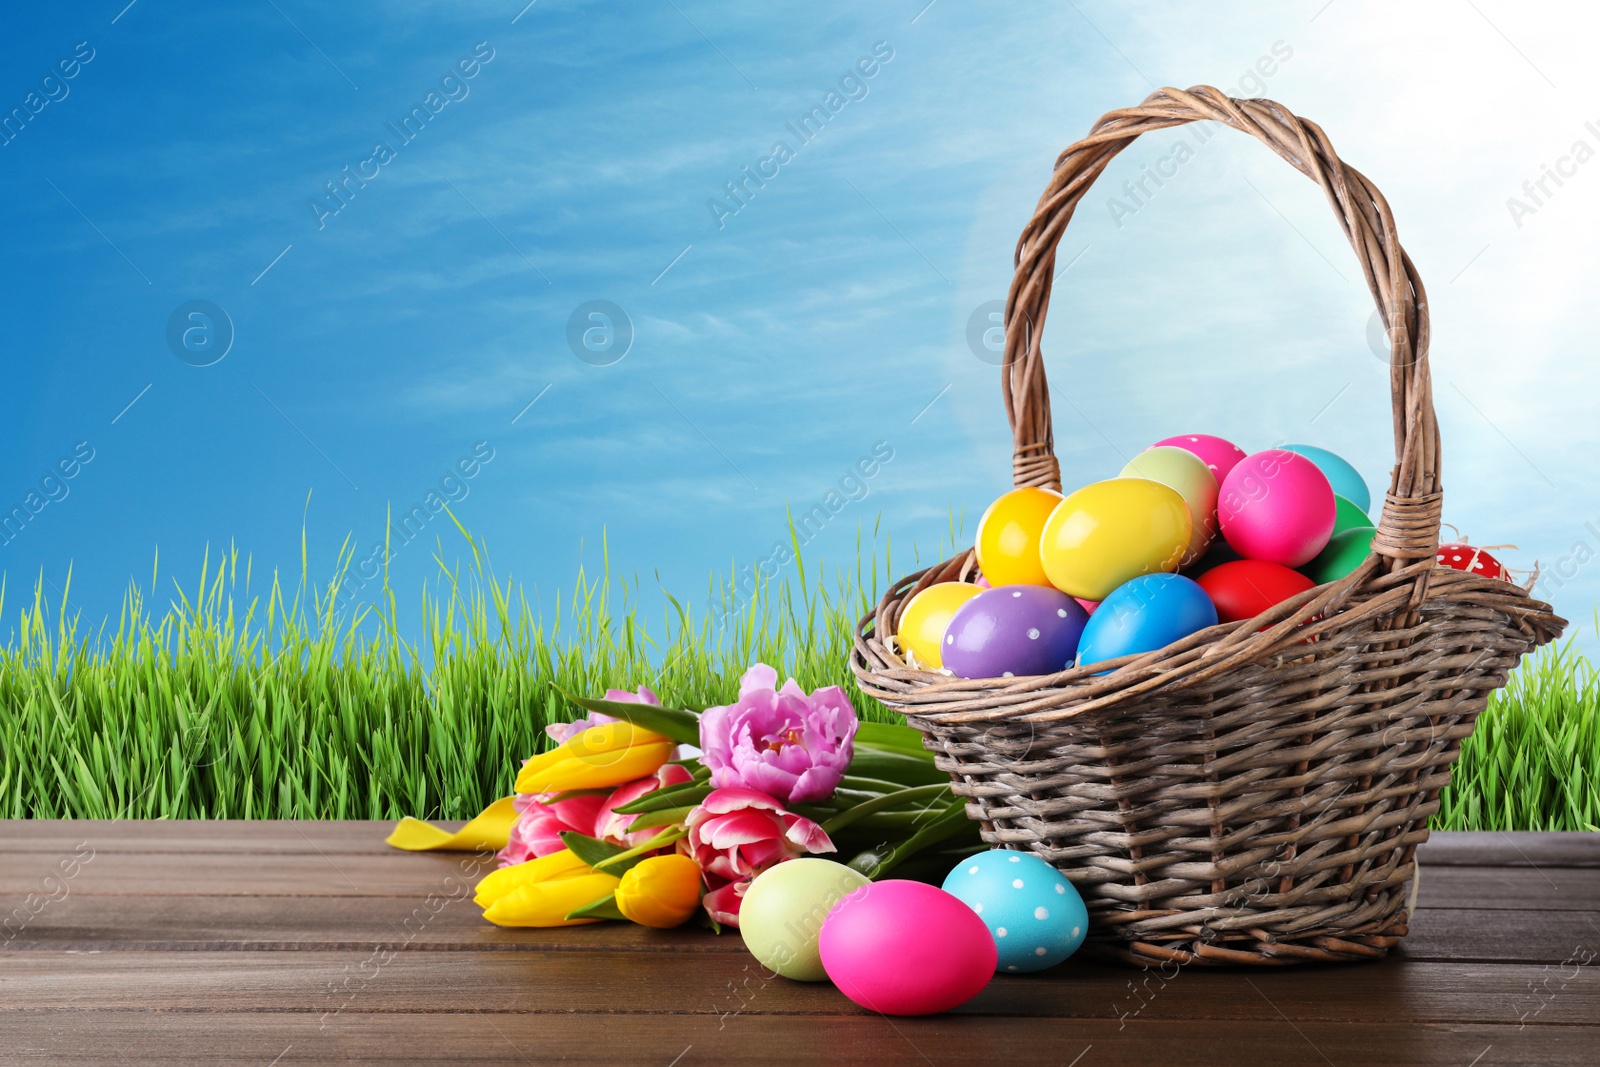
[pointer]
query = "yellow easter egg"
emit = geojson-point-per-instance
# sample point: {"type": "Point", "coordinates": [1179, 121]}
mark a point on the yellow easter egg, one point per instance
{"type": "Point", "coordinates": [925, 619]}
{"type": "Point", "coordinates": [1111, 531]}
{"type": "Point", "coordinates": [1008, 537]}
{"type": "Point", "coordinates": [1189, 475]}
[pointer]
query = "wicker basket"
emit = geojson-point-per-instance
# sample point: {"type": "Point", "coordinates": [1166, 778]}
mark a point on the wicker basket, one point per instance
{"type": "Point", "coordinates": [1253, 793]}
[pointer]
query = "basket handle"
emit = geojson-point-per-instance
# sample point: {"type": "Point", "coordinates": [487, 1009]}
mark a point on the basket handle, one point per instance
{"type": "Point", "coordinates": [1409, 526]}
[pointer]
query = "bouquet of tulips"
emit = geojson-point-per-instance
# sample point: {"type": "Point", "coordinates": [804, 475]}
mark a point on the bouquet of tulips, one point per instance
{"type": "Point", "coordinates": [657, 815]}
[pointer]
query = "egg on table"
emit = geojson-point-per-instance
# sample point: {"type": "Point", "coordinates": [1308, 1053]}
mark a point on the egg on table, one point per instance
{"type": "Point", "coordinates": [906, 948]}
{"type": "Point", "coordinates": [1013, 630]}
{"type": "Point", "coordinates": [1036, 916]}
{"type": "Point", "coordinates": [783, 911]}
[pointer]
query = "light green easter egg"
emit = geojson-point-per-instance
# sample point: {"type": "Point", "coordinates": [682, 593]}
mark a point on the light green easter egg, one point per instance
{"type": "Point", "coordinates": [783, 910]}
{"type": "Point", "coordinates": [1180, 469]}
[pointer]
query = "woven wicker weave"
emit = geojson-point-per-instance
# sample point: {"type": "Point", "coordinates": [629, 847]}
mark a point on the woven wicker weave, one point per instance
{"type": "Point", "coordinates": [1255, 792]}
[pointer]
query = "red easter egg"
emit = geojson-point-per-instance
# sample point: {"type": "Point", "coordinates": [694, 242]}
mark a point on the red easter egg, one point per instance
{"type": "Point", "coordinates": [1472, 560]}
{"type": "Point", "coordinates": [1245, 588]}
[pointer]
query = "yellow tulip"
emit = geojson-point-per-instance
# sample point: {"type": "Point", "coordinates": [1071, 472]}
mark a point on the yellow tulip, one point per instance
{"type": "Point", "coordinates": [548, 903]}
{"type": "Point", "coordinates": [508, 880]}
{"type": "Point", "coordinates": [662, 891]}
{"type": "Point", "coordinates": [598, 758]}
{"type": "Point", "coordinates": [542, 892]}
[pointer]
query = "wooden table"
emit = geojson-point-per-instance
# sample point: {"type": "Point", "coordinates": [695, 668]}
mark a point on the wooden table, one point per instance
{"type": "Point", "coordinates": [280, 943]}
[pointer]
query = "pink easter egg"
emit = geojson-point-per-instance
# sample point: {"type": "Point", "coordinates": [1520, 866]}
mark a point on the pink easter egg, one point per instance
{"type": "Point", "coordinates": [1278, 507]}
{"type": "Point", "coordinates": [982, 583]}
{"type": "Point", "coordinates": [1088, 605]}
{"type": "Point", "coordinates": [1217, 453]}
{"type": "Point", "coordinates": [906, 948]}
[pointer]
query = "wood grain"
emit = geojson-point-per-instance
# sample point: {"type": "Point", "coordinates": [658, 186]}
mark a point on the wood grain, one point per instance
{"type": "Point", "coordinates": [281, 943]}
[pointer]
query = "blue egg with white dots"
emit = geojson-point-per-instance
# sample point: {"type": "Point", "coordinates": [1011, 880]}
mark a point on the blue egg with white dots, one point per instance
{"type": "Point", "coordinates": [1035, 915]}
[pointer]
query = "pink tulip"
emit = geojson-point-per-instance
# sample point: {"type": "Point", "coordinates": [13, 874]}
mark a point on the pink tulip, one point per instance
{"type": "Point", "coordinates": [560, 732]}
{"type": "Point", "coordinates": [781, 742]}
{"type": "Point", "coordinates": [722, 903]}
{"type": "Point", "coordinates": [614, 827]}
{"type": "Point", "coordinates": [537, 831]}
{"type": "Point", "coordinates": [737, 833]}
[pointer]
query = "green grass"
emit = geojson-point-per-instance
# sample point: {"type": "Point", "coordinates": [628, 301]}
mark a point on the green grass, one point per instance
{"type": "Point", "coordinates": [239, 701]}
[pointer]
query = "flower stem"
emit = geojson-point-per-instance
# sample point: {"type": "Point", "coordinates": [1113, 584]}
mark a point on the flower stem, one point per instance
{"type": "Point", "coordinates": [887, 800]}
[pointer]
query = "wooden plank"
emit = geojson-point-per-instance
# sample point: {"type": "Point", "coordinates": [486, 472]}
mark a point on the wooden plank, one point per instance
{"type": "Point", "coordinates": [339, 983]}
{"type": "Point", "coordinates": [306, 874]}
{"type": "Point", "coordinates": [209, 836]}
{"type": "Point", "coordinates": [81, 923]}
{"type": "Point", "coordinates": [1454, 848]}
{"type": "Point", "coordinates": [283, 1039]}
{"type": "Point", "coordinates": [1510, 888]}
{"type": "Point", "coordinates": [1501, 849]}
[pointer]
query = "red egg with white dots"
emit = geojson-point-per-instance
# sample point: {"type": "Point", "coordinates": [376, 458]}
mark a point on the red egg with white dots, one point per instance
{"type": "Point", "coordinates": [1471, 559]}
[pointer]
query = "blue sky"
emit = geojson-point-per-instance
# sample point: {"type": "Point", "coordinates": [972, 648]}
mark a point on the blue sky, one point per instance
{"type": "Point", "coordinates": [380, 351]}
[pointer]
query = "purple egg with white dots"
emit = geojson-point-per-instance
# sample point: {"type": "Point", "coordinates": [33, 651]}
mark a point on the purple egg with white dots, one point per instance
{"type": "Point", "coordinates": [1013, 630]}
{"type": "Point", "coordinates": [1035, 915]}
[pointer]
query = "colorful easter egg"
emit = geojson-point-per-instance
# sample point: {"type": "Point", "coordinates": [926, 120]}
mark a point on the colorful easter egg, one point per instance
{"type": "Point", "coordinates": [1276, 506]}
{"type": "Point", "coordinates": [1345, 552]}
{"type": "Point", "coordinates": [927, 616]}
{"type": "Point", "coordinates": [783, 911]}
{"type": "Point", "coordinates": [1188, 474]}
{"type": "Point", "coordinates": [1247, 587]}
{"type": "Point", "coordinates": [1145, 614]}
{"type": "Point", "coordinates": [1036, 916]}
{"type": "Point", "coordinates": [1013, 630]}
{"type": "Point", "coordinates": [906, 948]}
{"type": "Point", "coordinates": [1346, 516]}
{"type": "Point", "coordinates": [1472, 560]}
{"type": "Point", "coordinates": [1008, 537]}
{"type": "Point", "coordinates": [1219, 454]}
{"type": "Point", "coordinates": [1341, 474]}
{"type": "Point", "coordinates": [1106, 533]}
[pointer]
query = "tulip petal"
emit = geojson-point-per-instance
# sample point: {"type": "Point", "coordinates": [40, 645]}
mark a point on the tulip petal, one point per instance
{"type": "Point", "coordinates": [507, 880]}
{"type": "Point", "coordinates": [549, 903]}
{"type": "Point", "coordinates": [488, 832]}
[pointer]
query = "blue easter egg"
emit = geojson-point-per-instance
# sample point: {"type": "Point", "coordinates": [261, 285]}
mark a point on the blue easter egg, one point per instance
{"type": "Point", "coordinates": [1341, 474]}
{"type": "Point", "coordinates": [1036, 917]}
{"type": "Point", "coordinates": [1145, 614]}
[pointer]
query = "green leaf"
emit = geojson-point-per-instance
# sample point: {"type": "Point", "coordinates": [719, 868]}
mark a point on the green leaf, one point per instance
{"type": "Point", "coordinates": [626, 860]}
{"type": "Point", "coordinates": [604, 908]}
{"type": "Point", "coordinates": [663, 817]}
{"type": "Point", "coordinates": [672, 796]}
{"type": "Point", "coordinates": [681, 726]}
{"type": "Point", "coordinates": [922, 795]}
{"type": "Point", "coordinates": [952, 822]}
{"type": "Point", "coordinates": [590, 850]}
{"type": "Point", "coordinates": [897, 767]}
{"type": "Point", "coordinates": [893, 736]}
